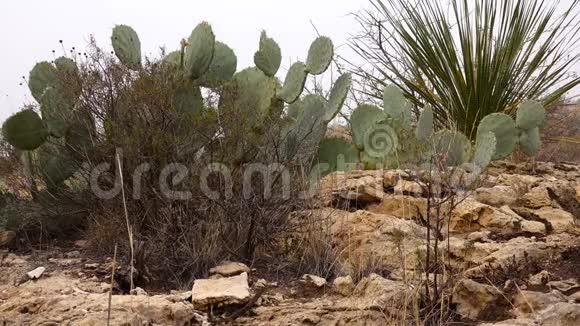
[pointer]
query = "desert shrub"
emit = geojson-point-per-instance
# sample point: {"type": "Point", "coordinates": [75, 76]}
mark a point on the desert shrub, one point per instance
{"type": "Point", "coordinates": [178, 160]}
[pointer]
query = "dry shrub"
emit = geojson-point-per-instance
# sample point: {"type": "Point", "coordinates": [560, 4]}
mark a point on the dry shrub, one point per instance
{"type": "Point", "coordinates": [561, 135]}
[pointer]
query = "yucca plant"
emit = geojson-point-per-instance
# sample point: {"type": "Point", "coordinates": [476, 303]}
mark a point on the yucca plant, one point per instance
{"type": "Point", "coordinates": [470, 58]}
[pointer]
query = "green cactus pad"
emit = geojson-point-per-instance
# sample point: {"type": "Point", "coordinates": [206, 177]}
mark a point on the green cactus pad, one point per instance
{"type": "Point", "coordinates": [295, 109]}
{"type": "Point", "coordinates": [424, 129]}
{"type": "Point", "coordinates": [66, 66]}
{"type": "Point", "coordinates": [173, 58]}
{"type": "Point", "coordinates": [200, 50]}
{"type": "Point", "coordinates": [269, 56]}
{"type": "Point", "coordinates": [362, 119]}
{"type": "Point", "coordinates": [338, 95]}
{"type": "Point", "coordinates": [25, 130]}
{"type": "Point", "coordinates": [453, 147]}
{"type": "Point", "coordinates": [55, 167]}
{"type": "Point", "coordinates": [188, 99]}
{"type": "Point", "coordinates": [337, 154]}
{"type": "Point", "coordinates": [222, 67]}
{"type": "Point", "coordinates": [504, 129]}
{"type": "Point", "coordinates": [530, 141]}
{"type": "Point", "coordinates": [42, 76]}
{"type": "Point", "coordinates": [484, 150]}
{"type": "Point", "coordinates": [127, 46]}
{"type": "Point", "coordinates": [80, 133]}
{"type": "Point", "coordinates": [294, 83]}
{"type": "Point", "coordinates": [530, 115]}
{"type": "Point", "coordinates": [319, 55]}
{"type": "Point", "coordinates": [303, 138]}
{"type": "Point", "coordinates": [251, 92]}
{"type": "Point", "coordinates": [397, 106]}
{"type": "Point", "coordinates": [55, 111]}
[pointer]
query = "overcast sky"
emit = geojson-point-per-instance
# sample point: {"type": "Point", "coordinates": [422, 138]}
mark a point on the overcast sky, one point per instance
{"type": "Point", "coordinates": [30, 29]}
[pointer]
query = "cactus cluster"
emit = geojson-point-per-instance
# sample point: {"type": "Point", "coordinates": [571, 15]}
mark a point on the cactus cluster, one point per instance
{"type": "Point", "coordinates": [201, 61]}
{"type": "Point", "coordinates": [383, 137]}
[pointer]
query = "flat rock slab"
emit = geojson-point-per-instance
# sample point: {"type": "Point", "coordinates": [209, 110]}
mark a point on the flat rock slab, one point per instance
{"type": "Point", "coordinates": [230, 269]}
{"type": "Point", "coordinates": [220, 292]}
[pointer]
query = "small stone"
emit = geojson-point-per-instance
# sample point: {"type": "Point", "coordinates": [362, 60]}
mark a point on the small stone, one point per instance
{"type": "Point", "coordinates": [344, 285]}
{"type": "Point", "coordinates": [224, 291]}
{"type": "Point", "coordinates": [36, 273]}
{"type": "Point", "coordinates": [313, 280]}
{"type": "Point", "coordinates": [230, 269]}
{"type": "Point", "coordinates": [81, 243]}
{"type": "Point", "coordinates": [73, 254]}
{"type": "Point", "coordinates": [139, 291]}
{"type": "Point", "coordinates": [412, 188]}
{"type": "Point", "coordinates": [542, 278]}
{"type": "Point", "coordinates": [261, 283]}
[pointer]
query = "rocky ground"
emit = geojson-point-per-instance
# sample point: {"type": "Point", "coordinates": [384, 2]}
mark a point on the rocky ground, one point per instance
{"type": "Point", "coordinates": [511, 250]}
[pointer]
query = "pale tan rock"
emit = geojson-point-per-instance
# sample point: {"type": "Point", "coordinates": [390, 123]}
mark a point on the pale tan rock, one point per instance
{"type": "Point", "coordinates": [405, 207]}
{"type": "Point", "coordinates": [561, 314]}
{"type": "Point", "coordinates": [413, 188]}
{"type": "Point", "coordinates": [537, 197]}
{"type": "Point", "coordinates": [376, 292]}
{"type": "Point", "coordinates": [565, 286]}
{"type": "Point", "coordinates": [392, 177]}
{"type": "Point", "coordinates": [560, 220]}
{"type": "Point", "coordinates": [36, 273]}
{"type": "Point", "coordinates": [313, 280]}
{"type": "Point", "coordinates": [219, 292]}
{"type": "Point", "coordinates": [520, 183]}
{"type": "Point", "coordinates": [540, 279]}
{"type": "Point", "coordinates": [528, 302]}
{"type": "Point", "coordinates": [344, 285]}
{"type": "Point", "coordinates": [359, 186]}
{"type": "Point", "coordinates": [230, 269]}
{"type": "Point", "coordinates": [577, 189]}
{"type": "Point", "coordinates": [496, 196]}
{"type": "Point", "coordinates": [474, 300]}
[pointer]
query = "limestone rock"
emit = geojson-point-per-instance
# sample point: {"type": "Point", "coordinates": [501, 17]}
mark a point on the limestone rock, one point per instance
{"type": "Point", "coordinates": [313, 280]}
{"type": "Point", "coordinates": [540, 279]}
{"type": "Point", "coordinates": [528, 302]}
{"type": "Point", "coordinates": [497, 196]}
{"type": "Point", "coordinates": [36, 273]}
{"type": "Point", "coordinates": [229, 269]}
{"type": "Point", "coordinates": [392, 177]}
{"type": "Point", "coordinates": [376, 292]}
{"type": "Point", "coordinates": [405, 187]}
{"type": "Point", "coordinates": [560, 220]}
{"type": "Point", "coordinates": [405, 207]}
{"type": "Point", "coordinates": [537, 197]}
{"type": "Point", "coordinates": [359, 186]}
{"type": "Point", "coordinates": [344, 285]}
{"type": "Point", "coordinates": [561, 314]}
{"type": "Point", "coordinates": [477, 301]}
{"type": "Point", "coordinates": [219, 292]}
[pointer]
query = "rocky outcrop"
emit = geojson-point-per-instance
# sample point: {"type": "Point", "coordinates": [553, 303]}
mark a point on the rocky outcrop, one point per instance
{"type": "Point", "coordinates": [219, 292]}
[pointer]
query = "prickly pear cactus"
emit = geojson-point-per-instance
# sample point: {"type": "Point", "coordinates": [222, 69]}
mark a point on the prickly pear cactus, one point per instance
{"type": "Point", "coordinates": [362, 119]}
{"type": "Point", "coordinates": [453, 146]}
{"type": "Point", "coordinates": [294, 83]}
{"type": "Point", "coordinates": [222, 68]}
{"type": "Point", "coordinates": [25, 130]}
{"type": "Point", "coordinates": [200, 50]}
{"type": "Point", "coordinates": [530, 142]}
{"type": "Point", "coordinates": [530, 115]}
{"type": "Point", "coordinates": [42, 76]}
{"type": "Point", "coordinates": [335, 154]}
{"type": "Point", "coordinates": [504, 130]}
{"type": "Point", "coordinates": [319, 55]}
{"type": "Point", "coordinates": [55, 111]}
{"type": "Point", "coordinates": [188, 99]}
{"type": "Point", "coordinates": [424, 129]}
{"type": "Point", "coordinates": [338, 95]}
{"type": "Point", "coordinates": [127, 46]}
{"type": "Point", "coordinates": [397, 106]}
{"type": "Point", "coordinates": [269, 56]}
{"type": "Point", "coordinates": [484, 150]}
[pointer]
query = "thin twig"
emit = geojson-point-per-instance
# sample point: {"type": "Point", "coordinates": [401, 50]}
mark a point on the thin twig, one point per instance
{"type": "Point", "coordinates": [112, 284]}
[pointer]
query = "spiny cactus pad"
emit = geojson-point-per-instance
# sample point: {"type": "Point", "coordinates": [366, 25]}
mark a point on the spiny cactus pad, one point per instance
{"type": "Point", "coordinates": [200, 50]}
{"type": "Point", "coordinates": [335, 154]}
{"type": "Point", "coordinates": [25, 130]}
{"type": "Point", "coordinates": [338, 95]}
{"type": "Point", "coordinates": [453, 146]}
{"type": "Point", "coordinates": [362, 119]}
{"type": "Point", "coordinates": [424, 129]}
{"type": "Point", "coordinates": [484, 150]}
{"type": "Point", "coordinates": [188, 99]}
{"type": "Point", "coordinates": [127, 46]}
{"type": "Point", "coordinates": [397, 106]}
{"type": "Point", "coordinates": [309, 128]}
{"type": "Point", "coordinates": [55, 168]}
{"type": "Point", "coordinates": [173, 58]}
{"type": "Point", "coordinates": [222, 67]}
{"type": "Point", "coordinates": [504, 129]}
{"type": "Point", "coordinates": [295, 109]}
{"type": "Point", "coordinates": [66, 66]}
{"type": "Point", "coordinates": [530, 141]}
{"type": "Point", "coordinates": [42, 76]}
{"type": "Point", "coordinates": [294, 83]}
{"type": "Point", "coordinates": [269, 56]}
{"type": "Point", "coordinates": [55, 111]}
{"type": "Point", "coordinates": [530, 115]}
{"type": "Point", "coordinates": [319, 55]}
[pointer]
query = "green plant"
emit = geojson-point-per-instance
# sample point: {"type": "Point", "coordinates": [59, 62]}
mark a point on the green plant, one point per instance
{"type": "Point", "coordinates": [472, 58]}
{"type": "Point", "coordinates": [384, 138]}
